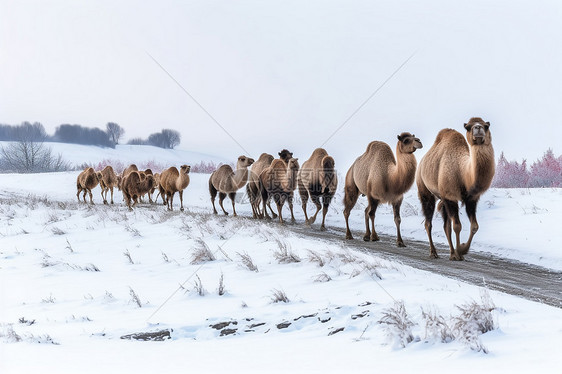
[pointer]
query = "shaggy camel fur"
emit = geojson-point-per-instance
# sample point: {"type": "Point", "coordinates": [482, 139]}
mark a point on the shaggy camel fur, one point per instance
{"type": "Point", "coordinates": [134, 186]}
{"type": "Point", "coordinates": [279, 181]}
{"type": "Point", "coordinates": [317, 178]}
{"type": "Point", "coordinates": [108, 181]}
{"type": "Point", "coordinates": [383, 179]}
{"type": "Point", "coordinates": [86, 181]}
{"type": "Point", "coordinates": [253, 186]}
{"type": "Point", "coordinates": [226, 181]}
{"type": "Point", "coordinates": [172, 180]}
{"type": "Point", "coordinates": [452, 171]}
{"type": "Point", "coordinates": [126, 172]}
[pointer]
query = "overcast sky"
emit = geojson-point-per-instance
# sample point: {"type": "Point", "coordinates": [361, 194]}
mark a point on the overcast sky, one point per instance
{"type": "Point", "coordinates": [287, 74]}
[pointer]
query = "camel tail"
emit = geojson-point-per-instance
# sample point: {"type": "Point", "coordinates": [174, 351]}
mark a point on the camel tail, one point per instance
{"type": "Point", "coordinates": [328, 172]}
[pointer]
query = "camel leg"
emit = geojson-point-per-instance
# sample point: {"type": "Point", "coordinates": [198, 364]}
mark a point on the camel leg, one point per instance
{"type": "Point", "coordinates": [213, 191]}
{"type": "Point", "coordinates": [111, 195]}
{"type": "Point", "coordinates": [232, 196]}
{"type": "Point", "coordinates": [370, 215]}
{"type": "Point", "coordinates": [91, 196]}
{"type": "Point", "coordinates": [397, 221]}
{"type": "Point", "coordinates": [78, 194]}
{"type": "Point", "coordinates": [470, 205]}
{"type": "Point", "coordinates": [428, 208]}
{"type": "Point", "coordinates": [170, 199]}
{"type": "Point", "coordinates": [316, 200]}
{"type": "Point", "coordinates": [349, 200]}
{"type": "Point", "coordinates": [325, 204]}
{"type": "Point", "coordinates": [290, 202]}
{"type": "Point", "coordinates": [303, 192]}
{"type": "Point", "coordinates": [273, 214]}
{"type": "Point", "coordinates": [279, 204]}
{"type": "Point", "coordinates": [222, 196]}
{"type": "Point", "coordinates": [181, 200]}
{"type": "Point", "coordinates": [103, 198]}
{"type": "Point", "coordinates": [451, 211]}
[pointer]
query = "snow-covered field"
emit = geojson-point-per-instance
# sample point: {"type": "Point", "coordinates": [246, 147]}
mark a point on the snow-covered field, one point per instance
{"type": "Point", "coordinates": [76, 278]}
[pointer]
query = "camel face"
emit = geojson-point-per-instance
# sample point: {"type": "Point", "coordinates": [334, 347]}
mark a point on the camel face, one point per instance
{"type": "Point", "coordinates": [185, 169]}
{"type": "Point", "coordinates": [477, 131]}
{"type": "Point", "coordinates": [244, 162]}
{"type": "Point", "coordinates": [409, 143]}
{"type": "Point", "coordinates": [285, 155]}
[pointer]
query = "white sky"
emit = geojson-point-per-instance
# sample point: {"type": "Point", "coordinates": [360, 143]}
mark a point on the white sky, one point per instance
{"type": "Point", "coordinates": [286, 74]}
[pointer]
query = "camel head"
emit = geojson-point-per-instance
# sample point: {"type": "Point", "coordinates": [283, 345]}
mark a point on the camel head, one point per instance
{"type": "Point", "coordinates": [408, 143]}
{"type": "Point", "coordinates": [244, 162]}
{"type": "Point", "coordinates": [285, 155]}
{"type": "Point", "coordinates": [184, 169]}
{"type": "Point", "coordinates": [293, 164]}
{"type": "Point", "coordinates": [478, 131]}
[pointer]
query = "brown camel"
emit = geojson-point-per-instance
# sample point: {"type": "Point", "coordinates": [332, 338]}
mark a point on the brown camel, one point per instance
{"type": "Point", "coordinates": [108, 181]}
{"type": "Point", "coordinates": [126, 172]}
{"type": "Point", "coordinates": [253, 186]}
{"type": "Point", "coordinates": [86, 181]}
{"type": "Point", "coordinates": [226, 181]}
{"type": "Point", "coordinates": [317, 178]}
{"type": "Point", "coordinates": [279, 181]}
{"type": "Point", "coordinates": [156, 185]}
{"type": "Point", "coordinates": [452, 171]}
{"type": "Point", "coordinates": [383, 179]}
{"type": "Point", "coordinates": [172, 180]}
{"type": "Point", "coordinates": [134, 186]}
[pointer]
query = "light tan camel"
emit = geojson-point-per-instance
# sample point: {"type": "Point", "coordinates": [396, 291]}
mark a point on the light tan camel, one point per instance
{"type": "Point", "coordinates": [86, 181]}
{"type": "Point", "coordinates": [279, 182]}
{"type": "Point", "coordinates": [226, 181]}
{"type": "Point", "coordinates": [172, 181]}
{"type": "Point", "coordinates": [134, 186]}
{"type": "Point", "coordinates": [453, 170]}
{"type": "Point", "coordinates": [108, 181]}
{"type": "Point", "coordinates": [318, 179]}
{"type": "Point", "coordinates": [383, 179]}
{"type": "Point", "coordinates": [156, 185]}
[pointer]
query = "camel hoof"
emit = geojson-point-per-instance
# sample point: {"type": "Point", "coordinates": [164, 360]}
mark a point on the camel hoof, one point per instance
{"type": "Point", "coordinates": [375, 238]}
{"type": "Point", "coordinates": [322, 228]}
{"type": "Point", "coordinates": [273, 216]}
{"type": "Point", "coordinates": [226, 213]}
{"type": "Point", "coordinates": [400, 244]}
{"type": "Point", "coordinates": [433, 255]}
{"type": "Point", "coordinates": [366, 238]}
{"type": "Point", "coordinates": [348, 236]}
{"type": "Point", "coordinates": [456, 257]}
{"type": "Point", "coordinates": [181, 209]}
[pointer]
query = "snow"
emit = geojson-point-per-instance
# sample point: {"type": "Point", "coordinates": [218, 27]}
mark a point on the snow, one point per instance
{"type": "Point", "coordinates": [51, 246]}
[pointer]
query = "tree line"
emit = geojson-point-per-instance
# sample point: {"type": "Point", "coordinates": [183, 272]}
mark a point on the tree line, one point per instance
{"type": "Point", "coordinates": [78, 134]}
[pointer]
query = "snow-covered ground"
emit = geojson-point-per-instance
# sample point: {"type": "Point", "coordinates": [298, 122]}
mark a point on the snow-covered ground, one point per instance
{"type": "Point", "coordinates": [83, 276]}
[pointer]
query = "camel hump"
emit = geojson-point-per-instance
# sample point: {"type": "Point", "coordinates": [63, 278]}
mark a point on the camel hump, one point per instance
{"type": "Point", "coordinates": [328, 163]}
{"type": "Point", "coordinates": [133, 177]}
{"type": "Point", "coordinates": [377, 146]}
{"type": "Point", "coordinates": [278, 164]}
{"type": "Point", "coordinates": [266, 157]}
{"type": "Point", "coordinates": [224, 169]}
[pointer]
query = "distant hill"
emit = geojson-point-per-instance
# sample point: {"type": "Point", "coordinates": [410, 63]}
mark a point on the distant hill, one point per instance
{"type": "Point", "coordinates": [78, 155]}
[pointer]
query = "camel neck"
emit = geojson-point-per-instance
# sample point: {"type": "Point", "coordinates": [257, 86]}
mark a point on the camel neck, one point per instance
{"type": "Point", "coordinates": [402, 174]}
{"type": "Point", "coordinates": [481, 169]}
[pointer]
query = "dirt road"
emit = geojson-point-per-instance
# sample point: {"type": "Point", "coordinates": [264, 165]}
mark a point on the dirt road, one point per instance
{"type": "Point", "coordinates": [528, 281]}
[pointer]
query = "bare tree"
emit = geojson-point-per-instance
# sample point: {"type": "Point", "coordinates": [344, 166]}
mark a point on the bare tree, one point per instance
{"type": "Point", "coordinates": [28, 154]}
{"type": "Point", "coordinates": [114, 131]}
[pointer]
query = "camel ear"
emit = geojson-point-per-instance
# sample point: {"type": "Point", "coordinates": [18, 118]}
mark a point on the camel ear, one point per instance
{"type": "Point", "coordinates": [467, 126]}
{"type": "Point", "coordinates": [487, 125]}
{"type": "Point", "coordinates": [399, 138]}
{"type": "Point", "coordinates": [279, 153]}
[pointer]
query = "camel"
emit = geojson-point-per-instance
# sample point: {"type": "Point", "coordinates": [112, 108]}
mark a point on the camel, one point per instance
{"type": "Point", "coordinates": [253, 186]}
{"type": "Point", "coordinates": [86, 181]}
{"type": "Point", "coordinates": [156, 185]}
{"type": "Point", "coordinates": [172, 181]}
{"type": "Point", "coordinates": [279, 182]}
{"type": "Point", "coordinates": [455, 170]}
{"type": "Point", "coordinates": [126, 172]}
{"type": "Point", "coordinates": [108, 180]}
{"type": "Point", "coordinates": [226, 181]}
{"type": "Point", "coordinates": [383, 179]}
{"type": "Point", "coordinates": [317, 178]}
{"type": "Point", "coordinates": [134, 186]}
